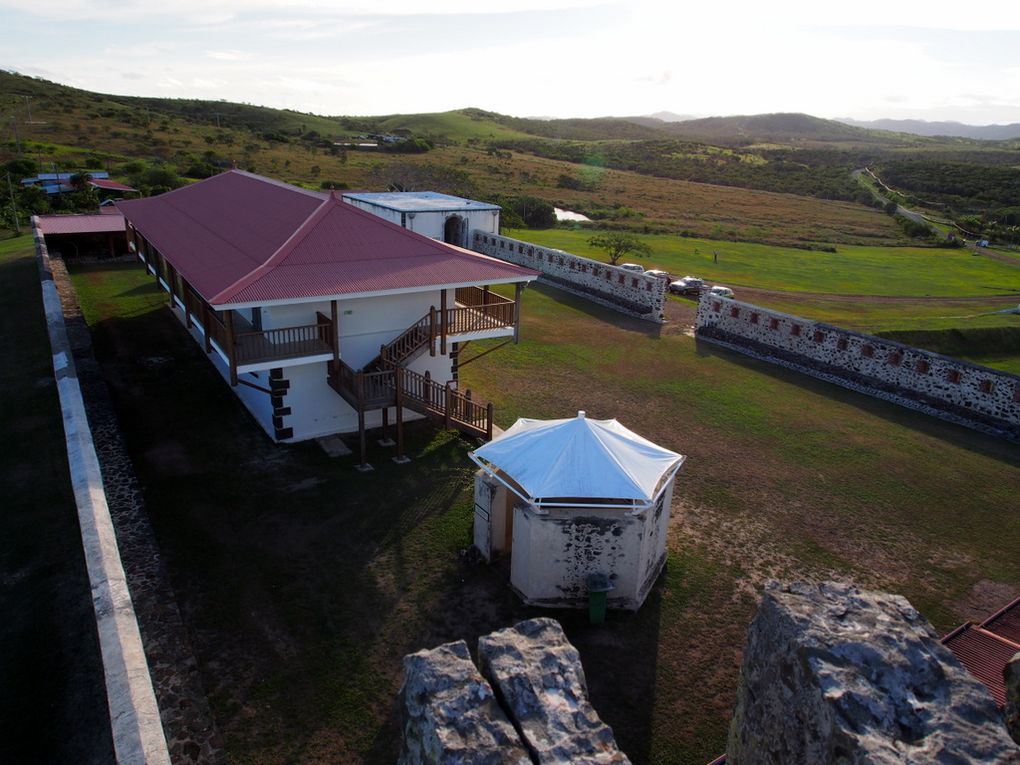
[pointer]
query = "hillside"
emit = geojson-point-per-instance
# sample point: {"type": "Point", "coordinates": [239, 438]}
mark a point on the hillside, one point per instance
{"type": "Point", "coordinates": [948, 129]}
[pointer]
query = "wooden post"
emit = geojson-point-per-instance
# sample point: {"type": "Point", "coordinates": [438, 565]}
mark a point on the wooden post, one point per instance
{"type": "Point", "coordinates": [485, 300]}
{"type": "Point", "coordinates": [205, 327]}
{"type": "Point", "coordinates": [446, 407]}
{"type": "Point", "coordinates": [170, 284]}
{"type": "Point", "coordinates": [360, 387]}
{"type": "Point", "coordinates": [426, 389]}
{"type": "Point", "coordinates": [187, 309]}
{"type": "Point", "coordinates": [488, 421]}
{"type": "Point", "coordinates": [432, 330]}
{"type": "Point", "coordinates": [443, 311]}
{"type": "Point", "coordinates": [335, 336]}
{"type": "Point", "coordinates": [231, 348]}
{"type": "Point", "coordinates": [398, 378]}
{"type": "Point", "coordinates": [385, 424]}
{"type": "Point", "coordinates": [109, 242]}
{"type": "Point", "coordinates": [519, 290]}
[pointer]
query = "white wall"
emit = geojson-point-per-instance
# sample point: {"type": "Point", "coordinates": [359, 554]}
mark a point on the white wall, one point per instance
{"type": "Point", "coordinates": [553, 554]}
{"type": "Point", "coordinates": [433, 223]}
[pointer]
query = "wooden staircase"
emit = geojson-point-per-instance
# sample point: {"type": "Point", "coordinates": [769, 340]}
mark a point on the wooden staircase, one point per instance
{"type": "Point", "coordinates": [386, 382]}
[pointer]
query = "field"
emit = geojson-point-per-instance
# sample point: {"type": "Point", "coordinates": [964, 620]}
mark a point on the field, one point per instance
{"type": "Point", "coordinates": [303, 582]}
{"type": "Point", "coordinates": [949, 301]}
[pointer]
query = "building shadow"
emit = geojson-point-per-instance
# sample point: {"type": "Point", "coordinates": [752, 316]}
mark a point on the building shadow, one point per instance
{"type": "Point", "coordinates": [598, 311]}
{"type": "Point", "coordinates": [981, 443]}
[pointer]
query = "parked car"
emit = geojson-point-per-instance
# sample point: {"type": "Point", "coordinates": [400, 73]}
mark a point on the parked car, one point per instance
{"type": "Point", "coordinates": [719, 291]}
{"type": "Point", "coordinates": [689, 285]}
{"type": "Point", "coordinates": [655, 272]}
{"type": "Point", "coordinates": [632, 267]}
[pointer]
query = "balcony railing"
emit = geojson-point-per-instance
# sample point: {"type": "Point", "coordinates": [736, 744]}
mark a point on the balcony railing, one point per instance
{"type": "Point", "coordinates": [255, 346]}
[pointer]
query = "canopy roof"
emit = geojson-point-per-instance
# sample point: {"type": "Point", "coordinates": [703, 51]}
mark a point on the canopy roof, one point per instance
{"type": "Point", "coordinates": [591, 462]}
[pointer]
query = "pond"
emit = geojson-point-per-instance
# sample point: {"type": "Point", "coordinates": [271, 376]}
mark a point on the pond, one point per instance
{"type": "Point", "coordinates": [568, 215]}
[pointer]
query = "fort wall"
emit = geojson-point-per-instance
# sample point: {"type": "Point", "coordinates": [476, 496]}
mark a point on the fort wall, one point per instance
{"type": "Point", "coordinates": [969, 394]}
{"type": "Point", "coordinates": [625, 291]}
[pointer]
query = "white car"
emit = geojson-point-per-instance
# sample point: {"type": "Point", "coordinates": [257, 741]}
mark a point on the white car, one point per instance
{"type": "Point", "coordinates": [719, 291]}
{"type": "Point", "coordinates": [656, 273]}
{"type": "Point", "coordinates": [632, 267]}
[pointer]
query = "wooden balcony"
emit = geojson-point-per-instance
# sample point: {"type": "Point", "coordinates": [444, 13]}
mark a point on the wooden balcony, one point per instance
{"type": "Point", "coordinates": [478, 310]}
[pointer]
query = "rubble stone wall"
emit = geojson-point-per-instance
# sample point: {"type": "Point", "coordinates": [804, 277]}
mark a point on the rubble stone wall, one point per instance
{"type": "Point", "coordinates": [956, 390]}
{"type": "Point", "coordinates": [626, 291]}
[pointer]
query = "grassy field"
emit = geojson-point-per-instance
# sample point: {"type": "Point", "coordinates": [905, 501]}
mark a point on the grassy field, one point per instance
{"type": "Point", "coordinates": [53, 708]}
{"type": "Point", "coordinates": [852, 270]}
{"type": "Point", "coordinates": [303, 582]}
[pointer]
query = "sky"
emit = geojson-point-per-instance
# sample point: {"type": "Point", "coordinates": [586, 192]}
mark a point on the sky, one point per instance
{"type": "Point", "coordinates": [561, 58]}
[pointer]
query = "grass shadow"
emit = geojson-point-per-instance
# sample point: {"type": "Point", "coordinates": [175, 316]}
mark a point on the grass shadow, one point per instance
{"type": "Point", "coordinates": [959, 435]}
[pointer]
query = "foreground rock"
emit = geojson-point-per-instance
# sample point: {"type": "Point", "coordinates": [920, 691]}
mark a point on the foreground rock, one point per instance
{"type": "Point", "coordinates": [834, 674]}
{"type": "Point", "coordinates": [539, 678]}
{"type": "Point", "coordinates": [450, 716]}
{"type": "Point", "coordinates": [1012, 710]}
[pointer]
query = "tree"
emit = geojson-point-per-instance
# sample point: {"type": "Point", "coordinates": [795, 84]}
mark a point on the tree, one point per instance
{"type": "Point", "coordinates": [617, 244]}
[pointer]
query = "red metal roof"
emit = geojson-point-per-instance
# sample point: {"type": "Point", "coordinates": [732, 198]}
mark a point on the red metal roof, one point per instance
{"type": "Point", "coordinates": [1005, 622]}
{"type": "Point", "coordinates": [984, 654]}
{"type": "Point", "coordinates": [80, 224]}
{"type": "Point", "coordinates": [101, 183]}
{"type": "Point", "coordinates": [239, 238]}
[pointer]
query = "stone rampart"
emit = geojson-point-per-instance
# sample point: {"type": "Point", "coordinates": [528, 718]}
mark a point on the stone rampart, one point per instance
{"type": "Point", "coordinates": [969, 394]}
{"type": "Point", "coordinates": [625, 291]}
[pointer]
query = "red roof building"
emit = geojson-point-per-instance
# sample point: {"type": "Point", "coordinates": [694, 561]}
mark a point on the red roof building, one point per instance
{"type": "Point", "coordinates": [305, 286]}
{"type": "Point", "coordinates": [985, 649]}
{"type": "Point", "coordinates": [99, 235]}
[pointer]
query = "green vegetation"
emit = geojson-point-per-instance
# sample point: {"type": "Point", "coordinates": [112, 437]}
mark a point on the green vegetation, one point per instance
{"type": "Point", "coordinates": [301, 606]}
{"type": "Point", "coordinates": [900, 271]}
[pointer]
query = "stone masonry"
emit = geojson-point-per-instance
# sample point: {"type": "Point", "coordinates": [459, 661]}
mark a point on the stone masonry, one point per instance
{"type": "Point", "coordinates": [625, 291]}
{"type": "Point", "coordinates": [531, 706]}
{"type": "Point", "coordinates": [835, 674]}
{"type": "Point", "coordinates": [969, 394]}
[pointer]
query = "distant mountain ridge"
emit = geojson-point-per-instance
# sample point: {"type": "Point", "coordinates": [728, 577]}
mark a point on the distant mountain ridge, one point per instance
{"type": "Point", "coordinates": [932, 129]}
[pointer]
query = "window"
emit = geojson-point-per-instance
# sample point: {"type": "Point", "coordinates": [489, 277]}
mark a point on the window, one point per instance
{"type": "Point", "coordinates": [773, 324]}
{"type": "Point", "coordinates": [520, 249]}
{"type": "Point", "coordinates": [953, 376]}
{"type": "Point", "coordinates": [922, 366]}
{"type": "Point", "coordinates": [841, 344]}
{"type": "Point", "coordinates": [867, 351]}
{"type": "Point", "coordinates": [894, 358]}
{"type": "Point", "coordinates": [735, 312]}
{"type": "Point", "coordinates": [795, 330]}
{"type": "Point", "coordinates": [819, 336]}
{"type": "Point", "coordinates": [754, 318]}
{"type": "Point", "coordinates": [633, 282]}
{"type": "Point", "coordinates": [987, 386]}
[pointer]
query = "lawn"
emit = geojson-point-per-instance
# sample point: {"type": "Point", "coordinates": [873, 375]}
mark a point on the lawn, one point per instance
{"type": "Point", "coordinates": [54, 701]}
{"type": "Point", "coordinates": [851, 270]}
{"type": "Point", "coordinates": [303, 583]}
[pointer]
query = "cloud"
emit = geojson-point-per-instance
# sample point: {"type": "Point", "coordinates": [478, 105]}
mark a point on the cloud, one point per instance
{"type": "Point", "coordinates": [228, 55]}
{"type": "Point", "coordinates": [132, 76]}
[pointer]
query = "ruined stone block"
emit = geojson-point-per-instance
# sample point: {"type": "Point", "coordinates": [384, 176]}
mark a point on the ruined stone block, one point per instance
{"type": "Point", "coordinates": [450, 715]}
{"type": "Point", "coordinates": [540, 680]}
{"type": "Point", "coordinates": [835, 674]}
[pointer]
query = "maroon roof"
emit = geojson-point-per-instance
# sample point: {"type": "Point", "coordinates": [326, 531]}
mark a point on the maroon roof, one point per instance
{"type": "Point", "coordinates": [984, 654]}
{"type": "Point", "coordinates": [1005, 622]}
{"type": "Point", "coordinates": [80, 224]}
{"type": "Point", "coordinates": [102, 183]}
{"type": "Point", "coordinates": [239, 237]}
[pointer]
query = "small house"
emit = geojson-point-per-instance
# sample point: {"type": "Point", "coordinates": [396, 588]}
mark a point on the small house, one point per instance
{"type": "Point", "coordinates": [561, 500]}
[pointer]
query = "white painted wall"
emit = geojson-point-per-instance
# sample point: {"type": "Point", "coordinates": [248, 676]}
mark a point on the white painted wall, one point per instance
{"type": "Point", "coordinates": [553, 554]}
{"type": "Point", "coordinates": [432, 223]}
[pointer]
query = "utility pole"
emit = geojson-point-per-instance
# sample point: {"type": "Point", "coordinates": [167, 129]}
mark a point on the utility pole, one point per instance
{"type": "Point", "coordinates": [14, 205]}
{"type": "Point", "coordinates": [28, 106]}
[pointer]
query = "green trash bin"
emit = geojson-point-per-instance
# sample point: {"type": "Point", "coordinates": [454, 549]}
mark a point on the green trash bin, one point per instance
{"type": "Point", "coordinates": [599, 588]}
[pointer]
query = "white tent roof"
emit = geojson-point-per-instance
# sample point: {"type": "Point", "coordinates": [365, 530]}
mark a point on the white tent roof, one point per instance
{"type": "Point", "coordinates": [578, 457]}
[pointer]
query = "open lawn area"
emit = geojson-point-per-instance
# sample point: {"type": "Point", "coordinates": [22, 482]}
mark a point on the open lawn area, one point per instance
{"type": "Point", "coordinates": [303, 583]}
{"type": "Point", "coordinates": [851, 270]}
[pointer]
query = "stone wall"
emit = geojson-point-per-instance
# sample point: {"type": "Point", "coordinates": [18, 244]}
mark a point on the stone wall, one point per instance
{"type": "Point", "coordinates": [813, 690]}
{"type": "Point", "coordinates": [969, 394]}
{"type": "Point", "coordinates": [625, 291]}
